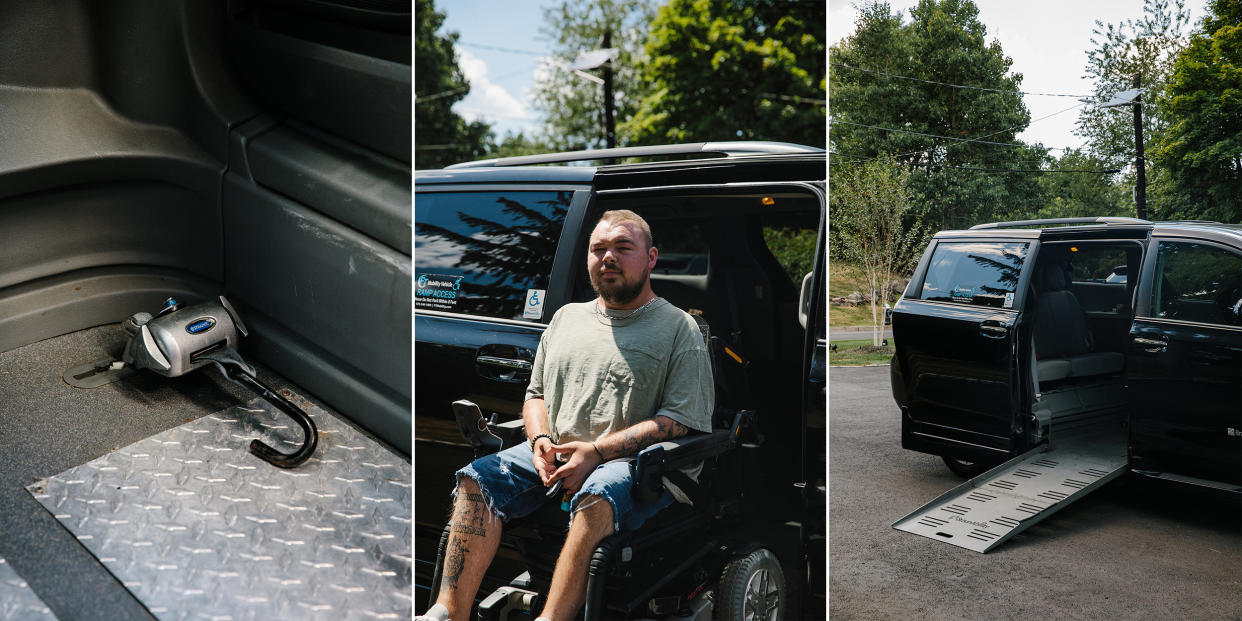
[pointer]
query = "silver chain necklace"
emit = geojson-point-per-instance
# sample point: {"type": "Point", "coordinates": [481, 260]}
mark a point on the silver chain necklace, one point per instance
{"type": "Point", "coordinates": [634, 313]}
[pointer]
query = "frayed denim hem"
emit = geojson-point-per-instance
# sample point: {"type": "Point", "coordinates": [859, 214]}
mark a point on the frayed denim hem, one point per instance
{"type": "Point", "coordinates": [469, 471]}
{"type": "Point", "coordinates": [576, 505]}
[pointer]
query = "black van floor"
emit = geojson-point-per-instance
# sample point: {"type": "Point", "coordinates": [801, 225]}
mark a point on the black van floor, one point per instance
{"type": "Point", "coordinates": [48, 426]}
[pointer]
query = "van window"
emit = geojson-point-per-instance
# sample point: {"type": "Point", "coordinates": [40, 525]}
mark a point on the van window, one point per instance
{"type": "Point", "coordinates": [975, 273]}
{"type": "Point", "coordinates": [485, 253]}
{"type": "Point", "coordinates": [1197, 282]}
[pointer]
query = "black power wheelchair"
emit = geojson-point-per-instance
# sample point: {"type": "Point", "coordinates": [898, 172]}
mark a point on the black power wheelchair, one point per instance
{"type": "Point", "coordinates": [721, 557]}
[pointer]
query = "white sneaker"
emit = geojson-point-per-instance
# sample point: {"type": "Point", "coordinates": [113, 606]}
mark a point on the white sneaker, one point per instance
{"type": "Point", "coordinates": [435, 613]}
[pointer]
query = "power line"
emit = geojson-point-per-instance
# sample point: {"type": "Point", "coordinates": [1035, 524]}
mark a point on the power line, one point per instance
{"type": "Point", "coordinates": [495, 48]}
{"type": "Point", "coordinates": [970, 140]}
{"type": "Point", "coordinates": [441, 94]}
{"type": "Point", "coordinates": [977, 88]}
{"type": "Point", "coordinates": [1016, 127]}
{"type": "Point", "coordinates": [999, 170]}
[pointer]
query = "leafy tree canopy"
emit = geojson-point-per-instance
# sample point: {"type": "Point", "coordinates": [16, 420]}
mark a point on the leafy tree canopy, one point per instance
{"type": "Point", "coordinates": [442, 137]}
{"type": "Point", "coordinates": [572, 105]}
{"type": "Point", "coordinates": [1080, 194]}
{"type": "Point", "coordinates": [1201, 149]}
{"type": "Point", "coordinates": [897, 87]}
{"type": "Point", "coordinates": [730, 70]}
{"type": "Point", "coordinates": [874, 224]}
{"type": "Point", "coordinates": [1144, 48]}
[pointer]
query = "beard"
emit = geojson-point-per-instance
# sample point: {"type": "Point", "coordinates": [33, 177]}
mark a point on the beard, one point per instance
{"type": "Point", "coordinates": [622, 290]}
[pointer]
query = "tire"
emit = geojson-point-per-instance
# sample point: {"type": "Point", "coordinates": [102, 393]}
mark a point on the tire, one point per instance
{"type": "Point", "coordinates": [967, 469]}
{"type": "Point", "coordinates": [752, 588]}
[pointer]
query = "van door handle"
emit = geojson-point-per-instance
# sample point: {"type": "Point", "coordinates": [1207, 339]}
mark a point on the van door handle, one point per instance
{"type": "Point", "coordinates": [508, 363]}
{"type": "Point", "coordinates": [1151, 345]}
{"type": "Point", "coordinates": [993, 331]}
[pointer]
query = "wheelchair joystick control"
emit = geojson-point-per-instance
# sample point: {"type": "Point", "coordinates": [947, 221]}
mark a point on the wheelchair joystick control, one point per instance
{"type": "Point", "coordinates": [180, 339]}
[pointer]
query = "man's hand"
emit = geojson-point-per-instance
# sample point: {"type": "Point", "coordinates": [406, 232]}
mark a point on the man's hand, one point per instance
{"type": "Point", "coordinates": [582, 461]}
{"type": "Point", "coordinates": [545, 460]}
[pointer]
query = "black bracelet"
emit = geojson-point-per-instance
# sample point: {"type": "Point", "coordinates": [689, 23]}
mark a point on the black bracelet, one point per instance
{"type": "Point", "coordinates": [536, 439]}
{"type": "Point", "coordinates": [601, 455]}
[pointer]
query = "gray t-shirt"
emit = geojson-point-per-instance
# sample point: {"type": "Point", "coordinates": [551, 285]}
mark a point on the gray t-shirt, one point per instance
{"type": "Point", "coordinates": [598, 376]}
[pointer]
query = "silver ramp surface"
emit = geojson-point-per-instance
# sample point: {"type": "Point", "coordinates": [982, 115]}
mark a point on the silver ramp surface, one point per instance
{"type": "Point", "coordinates": [196, 527]}
{"type": "Point", "coordinates": [17, 601]}
{"type": "Point", "coordinates": [987, 510]}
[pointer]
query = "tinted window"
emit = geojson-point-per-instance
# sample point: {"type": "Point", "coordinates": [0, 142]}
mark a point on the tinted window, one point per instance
{"type": "Point", "coordinates": [485, 253]}
{"type": "Point", "coordinates": [1097, 264]}
{"type": "Point", "coordinates": [682, 245]}
{"type": "Point", "coordinates": [976, 273]}
{"type": "Point", "coordinates": [1197, 282]}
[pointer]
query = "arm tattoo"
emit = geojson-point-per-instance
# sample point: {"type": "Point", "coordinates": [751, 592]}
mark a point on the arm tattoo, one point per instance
{"type": "Point", "coordinates": [639, 437]}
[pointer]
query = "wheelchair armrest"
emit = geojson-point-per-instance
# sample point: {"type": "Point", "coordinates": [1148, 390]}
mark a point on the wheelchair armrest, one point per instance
{"type": "Point", "coordinates": [510, 432]}
{"type": "Point", "coordinates": [660, 458]}
{"type": "Point", "coordinates": [485, 436]}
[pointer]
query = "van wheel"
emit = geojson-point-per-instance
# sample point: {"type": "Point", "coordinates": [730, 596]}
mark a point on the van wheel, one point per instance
{"type": "Point", "coordinates": [752, 588]}
{"type": "Point", "coordinates": [967, 469]}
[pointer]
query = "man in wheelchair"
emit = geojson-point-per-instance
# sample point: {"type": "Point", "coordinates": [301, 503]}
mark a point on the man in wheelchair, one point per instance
{"type": "Point", "coordinates": [611, 377]}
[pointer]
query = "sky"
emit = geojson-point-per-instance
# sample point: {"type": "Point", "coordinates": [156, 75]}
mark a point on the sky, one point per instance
{"type": "Point", "coordinates": [1047, 42]}
{"type": "Point", "coordinates": [500, 81]}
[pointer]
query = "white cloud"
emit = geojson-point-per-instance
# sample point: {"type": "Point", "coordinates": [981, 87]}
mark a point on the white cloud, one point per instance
{"type": "Point", "coordinates": [487, 101]}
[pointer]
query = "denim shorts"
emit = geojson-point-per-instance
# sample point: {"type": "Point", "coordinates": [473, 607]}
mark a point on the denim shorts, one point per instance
{"type": "Point", "coordinates": [513, 490]}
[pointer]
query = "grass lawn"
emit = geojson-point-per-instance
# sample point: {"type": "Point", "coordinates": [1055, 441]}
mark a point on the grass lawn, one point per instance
{"type": "Point", "coordinates": [858, 353]}
{"type": "Point", "coordinates": [844, 279]}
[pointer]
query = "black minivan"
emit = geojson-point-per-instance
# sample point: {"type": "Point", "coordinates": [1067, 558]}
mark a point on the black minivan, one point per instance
{"type": "Point", "coordinates": [500, 245]}
{"type": "Point", "coordinates": [1011, 331]}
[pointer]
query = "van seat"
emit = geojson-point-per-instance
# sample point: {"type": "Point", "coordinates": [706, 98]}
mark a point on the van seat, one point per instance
{"type": "Point", "coordinates": [1063, 342]}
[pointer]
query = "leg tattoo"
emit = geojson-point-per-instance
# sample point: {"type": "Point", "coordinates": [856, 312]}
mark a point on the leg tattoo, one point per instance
{"type": "Point", "coordinates": [472, 518]}
{"type": "Point", "coordinates": [455, 563]}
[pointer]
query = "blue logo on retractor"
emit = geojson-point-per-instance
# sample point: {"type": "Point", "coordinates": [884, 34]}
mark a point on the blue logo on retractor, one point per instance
{"type": "Point", "coordinates": [200, 326]}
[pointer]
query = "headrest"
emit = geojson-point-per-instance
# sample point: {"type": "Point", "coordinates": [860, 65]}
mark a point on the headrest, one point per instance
{"type": "Point", "coordinates": [1054, 277]}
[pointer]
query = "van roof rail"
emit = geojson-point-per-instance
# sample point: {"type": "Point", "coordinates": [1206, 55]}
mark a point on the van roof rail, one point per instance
{"type": "Point", "coordinates": [1047, 221]}
{"type": "Point", "coordinates": [693, 148]}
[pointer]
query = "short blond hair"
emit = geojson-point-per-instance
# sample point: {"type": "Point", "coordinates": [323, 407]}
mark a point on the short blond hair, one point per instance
{"type": "Point", "coordinates": [618, 216]}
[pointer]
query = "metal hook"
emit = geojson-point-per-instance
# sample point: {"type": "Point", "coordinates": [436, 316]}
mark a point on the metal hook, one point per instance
{"type": "Point", "coordinates": [237, 370]}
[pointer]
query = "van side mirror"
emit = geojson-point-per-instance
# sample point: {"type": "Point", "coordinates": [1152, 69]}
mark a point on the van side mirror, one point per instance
{"type": "Point", "coordinates": [804, 300]}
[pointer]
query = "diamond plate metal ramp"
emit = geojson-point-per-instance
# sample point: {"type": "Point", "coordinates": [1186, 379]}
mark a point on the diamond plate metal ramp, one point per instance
{"type": "Point", "coordinates": [17, 600]}
{"type": "Point", "coordinates": [197, 527]}
{"type": "Point", "coordinates": [987, 510]}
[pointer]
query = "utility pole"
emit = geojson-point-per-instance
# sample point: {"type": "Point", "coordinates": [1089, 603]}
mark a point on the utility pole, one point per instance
{"type": "Point", "coordinates": [1140, 166]}
{"type": "Point", "coordinates": [610, 131]}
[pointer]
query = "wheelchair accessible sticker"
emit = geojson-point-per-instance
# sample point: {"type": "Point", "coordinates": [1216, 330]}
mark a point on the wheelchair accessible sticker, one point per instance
{"type": "Point", "coordinates": [1008, 300]}
{"type": "Point", "coordinates": [436, 291]}
{"type": "Point", "coordinates": [534, 304]}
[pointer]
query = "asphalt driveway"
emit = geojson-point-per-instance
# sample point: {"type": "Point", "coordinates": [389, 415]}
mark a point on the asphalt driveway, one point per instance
{"type": "Point", "coordinates": [1134, 549]}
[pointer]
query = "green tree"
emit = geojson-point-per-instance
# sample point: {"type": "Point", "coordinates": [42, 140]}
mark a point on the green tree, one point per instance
{"type": "Point", "coordinates": [441, 137]}
{"type": "Point", "coordinates": [874, 225]}
{"type": "Point", "coordinates": [1145, 48]}
{"type": "Point", "coordinates": [572, 106]}
{"type": "Point", "coordinates": [938, 96]}
{"type": "Point", "coordinates": [1079, 194]}
{"type": "Point", "coordinates": [520, 143]}
{"type": "Point", "coordinates": [1201, 149]}
{"type": "Point", "coordinates": [731, 70]}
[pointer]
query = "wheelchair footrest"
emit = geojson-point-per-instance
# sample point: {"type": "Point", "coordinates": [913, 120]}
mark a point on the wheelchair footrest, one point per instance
{"type": "Point", "coordinates": [506, 600]}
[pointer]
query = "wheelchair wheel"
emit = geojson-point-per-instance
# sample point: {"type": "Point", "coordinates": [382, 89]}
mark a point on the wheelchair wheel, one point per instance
{"type": "Point", "coordinates": [752, 588]}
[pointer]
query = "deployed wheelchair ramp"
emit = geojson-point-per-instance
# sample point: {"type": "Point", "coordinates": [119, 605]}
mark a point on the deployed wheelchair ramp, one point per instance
{"type": "Point", "coordinates": [987, 510]}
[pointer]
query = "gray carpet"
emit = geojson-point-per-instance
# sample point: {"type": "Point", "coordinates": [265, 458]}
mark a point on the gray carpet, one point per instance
{"type": "Point", "coordinates": [47, 426]}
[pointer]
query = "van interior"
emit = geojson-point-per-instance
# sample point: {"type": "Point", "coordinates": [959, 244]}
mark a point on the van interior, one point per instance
{"type": "Point", "coordinates": [1081, 301]}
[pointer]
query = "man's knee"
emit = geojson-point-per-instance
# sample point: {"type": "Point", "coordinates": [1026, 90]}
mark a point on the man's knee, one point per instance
{"type": "Point", "coordinates": [596, 513]}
